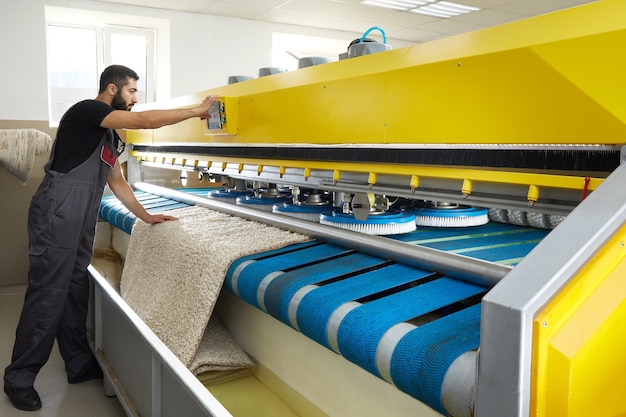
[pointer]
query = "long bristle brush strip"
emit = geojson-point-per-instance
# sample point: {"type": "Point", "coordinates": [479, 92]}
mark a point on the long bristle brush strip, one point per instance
{"type": "Point", "coordinates": [390, 223]}
{"type": "Point", "coordinates": [457, 217]}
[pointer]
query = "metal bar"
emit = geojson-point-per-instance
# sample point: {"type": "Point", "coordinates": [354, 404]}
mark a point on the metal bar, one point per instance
{"type": "Point", "coordinates": [461, 267]}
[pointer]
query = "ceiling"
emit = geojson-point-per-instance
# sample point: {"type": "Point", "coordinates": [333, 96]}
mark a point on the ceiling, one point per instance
{"type": "Point", "coordinates": [352, 16]}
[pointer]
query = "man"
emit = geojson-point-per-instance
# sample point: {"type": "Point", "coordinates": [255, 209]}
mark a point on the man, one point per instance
{"type": "Point", "coordinates": [61, 226]}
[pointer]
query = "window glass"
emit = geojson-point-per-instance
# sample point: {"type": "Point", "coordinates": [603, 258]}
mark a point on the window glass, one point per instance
{"type": "Point", "coordinates": [130, 47]}
{"type": "Point", "coordinates": [72, 68]}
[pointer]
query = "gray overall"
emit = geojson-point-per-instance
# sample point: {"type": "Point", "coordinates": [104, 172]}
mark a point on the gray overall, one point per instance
{"type": "Point", "coordinates": [61, 228]}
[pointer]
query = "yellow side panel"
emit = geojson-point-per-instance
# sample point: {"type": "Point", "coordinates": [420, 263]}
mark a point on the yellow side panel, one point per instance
{"type": "Point", "coordinates": [349, 110]}
{"type": "Point", "coordinates": [140, 137]}
{"type": "Point", "coordinates": [579, 362]}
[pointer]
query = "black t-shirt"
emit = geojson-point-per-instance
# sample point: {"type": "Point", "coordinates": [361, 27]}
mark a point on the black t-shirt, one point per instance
{"type": "Point", "coordinates": [79, 134]}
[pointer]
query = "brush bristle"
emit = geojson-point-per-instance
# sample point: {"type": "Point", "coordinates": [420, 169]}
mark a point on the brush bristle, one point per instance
{"type": "Point", "coordinates": [436, 221]}
{"type": "Point", "coordinates": [391, 222]}
{"type": "Point", "coordinates": [373, 229]}
{"type": "Point", "coordinates": [310, 212]}
{"type": "Point", "coordinates": [464, 216]}
{"type": "Point", "coordinates": [263, 207]}
{"type": "Point", "coordinates": [312, 217]}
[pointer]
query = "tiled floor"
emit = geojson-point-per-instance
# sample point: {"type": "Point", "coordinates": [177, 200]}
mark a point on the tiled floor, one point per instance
{"type": "Point", "coordinates": [59, 398]}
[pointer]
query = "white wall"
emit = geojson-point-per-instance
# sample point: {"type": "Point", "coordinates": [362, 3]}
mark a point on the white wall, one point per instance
{"type": "Point", "coordinates": [204, 50]}
{"type": "Point", "coordinates": [23, 79]}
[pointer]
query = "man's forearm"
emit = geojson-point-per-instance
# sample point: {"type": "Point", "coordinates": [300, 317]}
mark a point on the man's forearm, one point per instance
{"type": "Point", "coordinates": [125, 194]}
{"type": "Point", "coordinates": [153, 119]}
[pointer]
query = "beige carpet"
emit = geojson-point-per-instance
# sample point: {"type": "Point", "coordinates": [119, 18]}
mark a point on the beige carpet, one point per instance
{"type": "Point", "coordinates": [174, 271]}
{"type": "Point", "coordinates": [219, 358]}
{"type": "Point", "coordinates": [18, 148]}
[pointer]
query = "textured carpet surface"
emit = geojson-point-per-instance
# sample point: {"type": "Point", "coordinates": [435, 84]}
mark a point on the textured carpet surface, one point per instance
{"type": "Point", "coordinates": [219, 358]}
{"type": "Point", "coordinates": [174, 271]}
{"type": "Point", "coordinates": [18, 148]}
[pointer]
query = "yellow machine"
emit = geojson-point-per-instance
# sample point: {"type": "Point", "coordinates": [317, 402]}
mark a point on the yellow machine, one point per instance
{"type": "Point", "coordinates": [527, 119]}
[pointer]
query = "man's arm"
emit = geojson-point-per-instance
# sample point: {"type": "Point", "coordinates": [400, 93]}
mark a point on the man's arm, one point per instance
{"type": "Point", "coordinates": [153, 119]}
{"type": "Point", "coordinates": [123, 191]}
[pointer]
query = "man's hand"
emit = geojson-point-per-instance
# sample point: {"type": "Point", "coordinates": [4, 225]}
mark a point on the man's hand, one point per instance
{"type": "Point", "coordinates": [206, 104]}
{"type": "Point", "coordinates": [159, 218]}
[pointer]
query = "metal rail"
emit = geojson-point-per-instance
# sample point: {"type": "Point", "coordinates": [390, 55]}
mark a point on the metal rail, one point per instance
{"type": "Point", "coordinates": [457, 266]}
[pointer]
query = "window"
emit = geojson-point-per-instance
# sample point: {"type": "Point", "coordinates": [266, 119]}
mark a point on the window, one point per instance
{"type": "Point", "coordinates": [133, 48]}
{"type": "Point", "coordinates": [72, 68]}
{"type": "Point", "coordinates": [79, 52]}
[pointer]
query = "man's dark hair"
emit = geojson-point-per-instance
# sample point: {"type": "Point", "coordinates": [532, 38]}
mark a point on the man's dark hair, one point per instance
{"type": "Point", "coordinates": [118, 75]}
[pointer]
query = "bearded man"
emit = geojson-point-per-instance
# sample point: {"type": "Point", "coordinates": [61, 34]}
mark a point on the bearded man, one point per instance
{"type": "Point", "coordinates": [61, 227]}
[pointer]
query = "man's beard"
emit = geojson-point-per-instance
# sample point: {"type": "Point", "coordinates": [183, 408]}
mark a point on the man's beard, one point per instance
{"type": "Point", "coordinates": [120, 104]}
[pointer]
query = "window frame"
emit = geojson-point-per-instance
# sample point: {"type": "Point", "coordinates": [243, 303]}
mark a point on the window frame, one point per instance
{"type": "Point", "coordinates": [150, 36]}
{"type": "Point", "coordinates": [156, 31]}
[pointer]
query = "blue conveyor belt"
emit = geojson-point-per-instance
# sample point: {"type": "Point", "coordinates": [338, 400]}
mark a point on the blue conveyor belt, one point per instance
{"type": "Point", "coordinates": [113, 211]}
{"type": "Point", "coordinates": [281, 290]}
{"type": "Point", "coordinates": [348, 301]}
{"type": "Point", "coordinates": [456, 334]}
{"type": "Point", "coordinates": [398, 322]}
{"type": "Point", "coordinates": [494, 242]}
{"type": "Point", "coordinates": [315, 308]}
{"type": "Point", "coordinates": [363, 327]}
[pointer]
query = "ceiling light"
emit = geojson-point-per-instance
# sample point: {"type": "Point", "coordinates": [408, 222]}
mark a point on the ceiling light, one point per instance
{"type": "Point", "coordinates": [459, 7]}
{"type": "Point", "coordinates": [445, 9]}
{"type": "Point", "coordinates": [386, 4]}
{"type": "Point", "coordinates": [397, 4]}
{"type": "Point", "coordinates": [428, 7]}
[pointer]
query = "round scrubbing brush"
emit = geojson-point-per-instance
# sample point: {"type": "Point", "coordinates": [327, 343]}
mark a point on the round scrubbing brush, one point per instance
{"type": "Point", "coordinates": [261, 203]}
{"type": "Point", "coordinates": [227, 195]}
{"type": "Point", "coordinates": [451, 216]}
{"type": "Point", "coordinates": [309, 209]}
{"type": "Point", "coordinates": [391, 222]}
{"type": "Point", "coordinates": [300, 211]}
